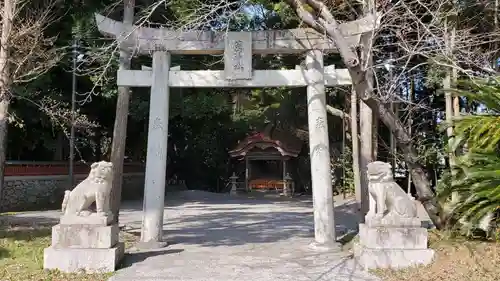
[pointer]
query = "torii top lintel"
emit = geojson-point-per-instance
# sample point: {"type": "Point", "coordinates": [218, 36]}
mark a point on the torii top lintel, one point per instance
{"type": "Point", "coordinates": [144, 39]}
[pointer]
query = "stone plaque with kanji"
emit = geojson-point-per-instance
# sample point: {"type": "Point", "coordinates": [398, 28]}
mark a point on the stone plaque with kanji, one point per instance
{"type": "Point", "coordinates": [238, 56]}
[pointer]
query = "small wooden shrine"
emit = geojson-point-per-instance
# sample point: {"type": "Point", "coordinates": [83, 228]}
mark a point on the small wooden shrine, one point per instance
{"type": "Point", "coordinates": [266, 155]}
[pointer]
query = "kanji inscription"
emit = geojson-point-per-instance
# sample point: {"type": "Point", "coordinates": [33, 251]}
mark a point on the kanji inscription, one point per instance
{"type": "Point", "coordinates": [238, 56]}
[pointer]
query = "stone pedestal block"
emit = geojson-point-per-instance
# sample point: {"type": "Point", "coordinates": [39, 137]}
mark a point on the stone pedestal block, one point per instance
{"type": "Point", "coordinates": [84, 247]}
{"type": "Point", "coordinates": [392, 221]}
{"type": "Point", "coordinates": [79, 259]}
{"type": "Point", "coordinates": [92, 219]}
{"type": "Point", "coordinates": [84, 236]}
{"type": "Point", "coordinates": [392, 247]}
{"type": "Point", "coordinates": [393, 237]}
{"type": "Point", "coordinates": [392, 258]}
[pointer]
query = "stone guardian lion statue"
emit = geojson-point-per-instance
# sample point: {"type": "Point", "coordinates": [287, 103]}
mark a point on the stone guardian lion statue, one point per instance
{"type": "Point", "coordinates": [95, 188]}
{"type": "Point", "coordinates": [387, 198]}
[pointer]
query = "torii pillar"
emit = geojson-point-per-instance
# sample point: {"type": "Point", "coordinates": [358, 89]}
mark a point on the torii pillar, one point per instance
{"type": "Point", "coordinates": [319, 153]}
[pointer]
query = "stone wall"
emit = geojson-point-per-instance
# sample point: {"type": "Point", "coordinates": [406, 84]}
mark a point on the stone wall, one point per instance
{"type": "Point", "coordinates": [24, 193]}
{"type": "Point", "coordinates": [34, 185]}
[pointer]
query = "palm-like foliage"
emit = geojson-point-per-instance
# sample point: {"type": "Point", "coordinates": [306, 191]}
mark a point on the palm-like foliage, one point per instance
{"type": "Point", "coordinates": [476, 177]}
{"type": "Point", "coordinates": [477, 182]}
{"type": "Point", "coordinates": [481, 131]}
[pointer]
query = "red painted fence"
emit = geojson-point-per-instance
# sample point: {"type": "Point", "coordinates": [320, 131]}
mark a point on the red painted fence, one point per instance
{"type": "Point", "coordinates": [22, 168]}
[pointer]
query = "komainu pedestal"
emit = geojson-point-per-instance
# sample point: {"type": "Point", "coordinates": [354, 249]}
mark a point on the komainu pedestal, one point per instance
{"type": "Point", "coordinates": [85, 240]}
{"type": "Point", "coordinates": [392, 235]}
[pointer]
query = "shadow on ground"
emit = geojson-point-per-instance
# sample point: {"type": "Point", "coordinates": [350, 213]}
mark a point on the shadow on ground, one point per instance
{"type": "Point", "coordinates": [181, 198]}
{"type": "Point", "coordinates": [136, 257]}
{"type": "Point", "coordinates": [26, 228]}
{"type": "Point", "coordinates": [4, 253]}
{"type": "Point", "coordinates": [217, 237]}
{"type": "Point", "coordinates": [27, 220]}
{"type": "Point", "coordinates": [211, 221]}
{"type": "Point", "coordinates": [222, 238]}
{"type": "Point", "coordinates": [13, 228]}
{"type": "Point", "coordinates": [25, 234]}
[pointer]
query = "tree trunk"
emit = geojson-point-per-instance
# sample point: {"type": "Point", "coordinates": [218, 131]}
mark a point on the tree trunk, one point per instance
{"type": "Point", "coordinates": [366, 152]}
{"type": "Point", "coordinates": [355, 147]}
{"type": "Point", "coordinates": [5, 82]}
{"type": "Point", "coordinates": [97, 141]}
{"type": "Point", "coordinates": [4, 124]}
{"type": "Point", "coordinates": [375, 125]}
{"type": "Point", "coordinates": [59, 150]}
{"type": "Point", "coordinates": [410, 124]}
{"type": "Point", "coordinates": [448, 103]}
{"type": "Point", "coordinates": [366, 117]}
{"type": "Point", "coordinates": [496, 14]}
{"type": "Point", "coordinates": [120, 127]}
{"type": "Point", "coordinates": [452, 104]}
{"type": "Point", "coordinates": [392, 141]}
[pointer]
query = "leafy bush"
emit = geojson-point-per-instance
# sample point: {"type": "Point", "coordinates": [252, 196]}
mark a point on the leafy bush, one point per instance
{"type": "Point", "coordinates": [475, 179]}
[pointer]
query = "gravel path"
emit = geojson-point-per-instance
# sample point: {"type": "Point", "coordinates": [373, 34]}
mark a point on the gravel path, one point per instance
{"type": "Point", "coordinates": [216, 237]}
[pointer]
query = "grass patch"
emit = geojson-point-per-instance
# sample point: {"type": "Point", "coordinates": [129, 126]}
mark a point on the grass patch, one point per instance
{"type": "Point", "coordinates": [456, 259]}
{"type": "Point", "coordinates": [21, 256]}
{"type": "Point", "coordinates": [129, 239]}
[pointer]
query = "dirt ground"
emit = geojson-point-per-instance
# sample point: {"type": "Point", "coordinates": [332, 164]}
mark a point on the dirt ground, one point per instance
{"type": "Point", "coordinates": [456, 260]}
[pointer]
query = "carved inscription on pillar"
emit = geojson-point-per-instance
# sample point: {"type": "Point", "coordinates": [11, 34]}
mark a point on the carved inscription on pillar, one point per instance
{"type": "Point", "coordinates": [238, 56]}
{"type": "Point", "coordinates": [157, 124]}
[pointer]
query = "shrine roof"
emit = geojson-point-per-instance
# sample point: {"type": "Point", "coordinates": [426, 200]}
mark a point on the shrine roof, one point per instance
{"type": "Point", "coordinates": [285, 143]}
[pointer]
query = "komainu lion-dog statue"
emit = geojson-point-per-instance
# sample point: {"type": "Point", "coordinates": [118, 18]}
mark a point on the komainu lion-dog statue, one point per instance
{"type": "Point", "coordinates": [387, 198]}
{"type": "Point", "coordinates": [95, 188]}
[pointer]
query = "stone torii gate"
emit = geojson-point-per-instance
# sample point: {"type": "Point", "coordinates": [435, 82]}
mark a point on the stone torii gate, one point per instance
{"type": "Point", "coordinates": [237, 48]}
